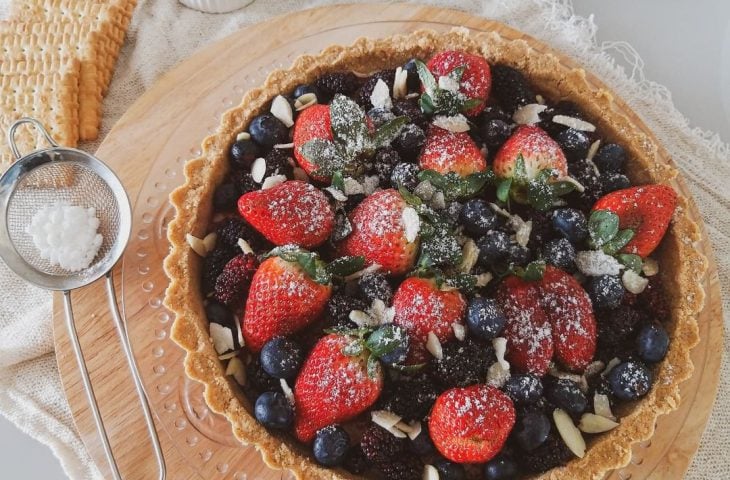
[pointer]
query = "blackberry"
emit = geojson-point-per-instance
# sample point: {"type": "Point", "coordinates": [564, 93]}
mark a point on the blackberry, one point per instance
{"type": "Point", "coordinates": [409, 141]}
{"type": "Point", "coordinates": [232, 284]}
{"type": "Point", "coordinates": [463, 363]}
{"type": "Point", "coordinates": [412, 111]}
{"type": "Point", "coordinates": [380, 446]}
{"type": "Point", "coordinates": [511, 88]}
{"type": "Point", "coordinates": [493, 112]}
{"type": "Point", "coordinates": [353, 201]}
{"type": "Point", "coordinates": [564, 107]}
{"type": "Point", "coordinates": [376, 286]}
{"type": "Point", "coordinates": [213, 264]}
{"type": "Point", "coordinates": [422, 445]}
{"type": "Point", "coordinates": [231, 230]}
{"type": "Point", "coordinates": [258, 381]}
{"type": "Point", "coordinates": [385, 159]}
{"type": "Point", "coordinates": [615, 331]}
{"type": "Point", "coordinates": [552, 453]}
{"type": "Point", "coordinates": [410, 398]}
{"type": "Point", "coordinates": [338, 82]}
{"type": "Point", "coordinates": [355, 461]}
{"type": "Point", "coordinates": [225, 198]}
{"type": "Point", "coordinates": [586, 175]}
{"type": "Point", "coordinates": [495, 132]}
{"type": "Point", "coordinates": [277, 163]}
{"type": "Point", "coordinates": [339, 307]}
{"type": "Point", "coordinates": [653, 301]}
{"type": "Point", "coordinates": [405, 175]}
{"type": "Point", "coordinates": [404, 468]}
{"type": "Point", "coordinates": [243, 181]}
{"type": "Point", "coordinates": [363, 94]}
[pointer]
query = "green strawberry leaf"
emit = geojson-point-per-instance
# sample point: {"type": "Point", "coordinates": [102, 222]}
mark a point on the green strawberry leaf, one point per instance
{"type": "Point", "coordinates": [463, 281]}
{"type": "Point", "coordinates": [325, 154]}
{"type": "Point", "coordinates": [389, 131]}
{"type": "Point", "coordinates": [618, 242]}
{"type": "Point", "coordinates": [457, 73]}
{"type": "Point", "coordinates": [454, 186]}
{"type": "Point", "coordinates": [338, 181]}
{"type": "Point", "coordinates": [540, 195]}
{"type": "Point", "coordinates": [386, 339]}
{"type": "Point", "coordinates": [410, 198]}
{"type": "Point", "coordinates": [426, 103]}
{"type": "Point", "coordinates": [533, 272]}
{"type": "Point", "coordinates": [503, 188]}
{"type": "Point", "coordinates": [631, 261]}
{"type": "Point", "coordinates": [345, 266]}
{"type": "Point", "coordinates": [602, 227]}
{"type": "Point", "coordinates": [349, 127]}
{"type": "Point", "coordinates": [425, 75]}
{"type": "Point", "coordinates": [310, 262]}
{"type": "Point", "coordinates": [470, 104]}
{"type": "Point", "coordinates": [353, 349]}
{"type": "Point", "coordinates": [373, 367]}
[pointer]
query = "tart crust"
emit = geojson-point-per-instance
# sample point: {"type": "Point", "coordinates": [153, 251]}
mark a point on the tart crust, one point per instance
{"type": "Point", "coordinates": [682, 266]}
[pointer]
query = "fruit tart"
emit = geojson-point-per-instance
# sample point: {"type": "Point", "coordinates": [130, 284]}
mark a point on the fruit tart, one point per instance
{"type": "Point", "coordinates": [434, 255]}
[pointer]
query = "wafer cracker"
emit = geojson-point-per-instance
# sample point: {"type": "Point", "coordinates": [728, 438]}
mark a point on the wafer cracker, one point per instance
{"type": "Point", "coordinates": [32, 54]}
{"type": "Point", "coordinates": [51, 99]}
{"type": "Point", "coordinates": [109, 18]}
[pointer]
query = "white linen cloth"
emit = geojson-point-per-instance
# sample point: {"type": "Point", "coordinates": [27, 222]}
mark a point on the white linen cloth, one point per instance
{"type": "Point", "coordinates": [163, 33]}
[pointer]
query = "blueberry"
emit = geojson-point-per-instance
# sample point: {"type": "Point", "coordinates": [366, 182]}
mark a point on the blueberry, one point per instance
{"type": "Point", "coordinates": [501, 467]}
{"type": "Point", "coordinates": [610, 158]}
{"type": "Point", "coordinates": [477, 217]}
{"type": "Point", "coordinates": [493, 247]}
{"type": "Point", "coordinates": [559, 252]}
{"type": "Point", "coordinates": [652, 343]}
{"type": "Point", "coordinates": [413, 82]}
{"type": "Point", "coordinates": [330, 445]}
{"type": "Point", "coordinates": [574, 143]}
{"type": "Point", "coordinates": [571, 224]}
{"type": "Point", "coordinates": [392, 340]}
{"type": "Point", "coordinates": [375, 286]}
{"type": "Point", "coordinates": [405, 175]}
{"type": "Point", "coordinates": [567, 395]}
{"type": "Point", "coordinates": [267, 131]}
{"type": "Point", "coordinates": [409, 141]}
{"type": "Point", "coordinates": [273, 410]}
{"type": "Point", "coordinates": [606, 291]}
{"type": "Point", "coordinates": [281, 357]}
{"type": "Point", "coordinates": [484, 318]}
{"type": "Point", "coordinates": [243, 153]}
{"type": "Point", "coordinates": [449, 470]}
{"type": "Point", "coordinates": [517, 254]}
{"type": "Point", "coordinates": [226, 197]}
{"type": "Point", "coordinates": [524, 389]}
{"type": "Point", "coordinates": [422, 444]}
{"type": "Point", "coordinates": [612, 181]}
{"type": "Point", "coordinates": [531, 430]}
{"type": "Point", "coordinates": [495, 132]}
{"type": "Point", "coordinates": [304, 89]}
{"type": "Point", "coordinates": [630, 380]}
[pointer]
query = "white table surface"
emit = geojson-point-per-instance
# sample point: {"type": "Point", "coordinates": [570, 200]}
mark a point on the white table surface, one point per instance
{"type": "Point", "coordinates": [685, 46]}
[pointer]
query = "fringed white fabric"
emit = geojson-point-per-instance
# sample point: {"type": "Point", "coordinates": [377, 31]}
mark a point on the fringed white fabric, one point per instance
{"type": "Point", "coordinates": [163, 33]}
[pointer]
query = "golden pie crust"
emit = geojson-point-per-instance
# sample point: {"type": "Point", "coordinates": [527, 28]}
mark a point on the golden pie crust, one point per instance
{"type": "Point", "coordinates": [682, 266]}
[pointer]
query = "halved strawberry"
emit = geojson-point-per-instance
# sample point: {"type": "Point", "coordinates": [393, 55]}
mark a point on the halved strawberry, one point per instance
{"type": "Point", "coordinates": [293, 212]}
{"type": "Point", "coordinates": [568, 309]}
{"type": "Point", "coordinates": [447, 151]}
{"type": "Point", "coordinates": [378, 233]}
{"type": "Point", "coordinates": [471, 424]}
{"type": "Point", "coordinates": [313, 122]}
{"type": "Point", "coordinates": [333, 387]}
{"type": "Point", "coordinates": [646, 209]}
{"type": "Point", "coordinates": [476, 81]}
{"type": "Point", "coordinates": [537, 150]}
{"type": "Point", "coordinates": [420, 307]}
{"type": "Point", "coordinates": [282, 299]}
{"type": "Point", "coordinates": [527, 330]}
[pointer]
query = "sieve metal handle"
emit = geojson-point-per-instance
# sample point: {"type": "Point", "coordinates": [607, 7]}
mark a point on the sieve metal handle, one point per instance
{"type": "Point", "coordinates": [38, 125]}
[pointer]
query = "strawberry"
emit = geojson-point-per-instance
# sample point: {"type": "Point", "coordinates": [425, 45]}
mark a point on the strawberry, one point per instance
{"type": "Point", "coordinates": [476, 80]}
{"type": "Point", "coordinates": [549, 317]}
{"type": "Point", "coordinates": [283, 298]}
{"type": "Point", "coordinates": [646, 209]}
{"type": "Point", "coordinates": [313, 122]}
{"type": "Point", "coordinates": [446, 151]}
{"type": "Point", "coordinates": [421, 307]}
{"type": "Point", "coordinates": [527, 330]}
{"type": "Point", "coordinates": [471, 424]}
{"type": "Point", "coordinates": [333, 387]}
{"type": "Point", "coordinates": [568, 308]}
{"type": "Point", "coordinates": [537, 149]}
{"type": "Point", "coordinates": [293, 212]}
{"type": "Point", "coordinates": [378, 233]}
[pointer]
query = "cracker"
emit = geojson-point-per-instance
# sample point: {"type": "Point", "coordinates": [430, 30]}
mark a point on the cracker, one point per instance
{"type": "Point", "coordinates": [32, 54]}
{"type": "Point", "coordinates": [110, 19]}
{"type": "Point", "coordinates": [52, 99]}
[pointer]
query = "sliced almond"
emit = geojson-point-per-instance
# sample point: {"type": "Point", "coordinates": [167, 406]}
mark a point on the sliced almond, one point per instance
{"type": "Point", "coordinates": [650, 267]}
{"type": "Point", "coordinates": [411, 223]}
{"type": "Point", "coordinates": [404, 427]}
{"type": "Point", "coordinates": [449, 83]}
{"type": "Point", "coordinates": [594, 368]}
{"type": "Point", "coordinates": [384, 418]}
{"type": "Point", "coordinates": [305, 101]}
{"type": "Point", "coordinates": [222, 338]}
{"type": "Point", "coordinates": [633, 282]}
{"type": "Point", "coordinates": [337, 194]}
{"type": "Point", "coordinates": [416, 429]}
{"type": "Point", "coordinates": [380, 96]}
{"type": "Point", "coordinates": [281, 109]}
{"type": "Point", "coordinates": [569, 433]}
{"type": "Point", "coordinates": [602, 406]}
{"type": "Point", "coordinates": [288, 393]}
{"type": "Point", "coordinates": [370, 183]}
{"type": "Point", "coordinates": [361, 318]}
{"type": "Point", "coordinates": [209, 242]}
{"type": "Point", "coordinates": [523, 230]}
{"type": "Point", "coordinates": [459, 331]}
{"type": "Point", "coordinates": [352, 186]}
{"type": "Point", "coordinates": [611, 363]}
{"type": "Point", "coordinates": [497, 375]}
{"type": "Point", "coordinates": [455, 123]}
{"type": "Point", "coordinates": [400, 83]}
{"type": "Point", "coordinates": [228, 355]}
{"type": "Point", "coordinates": [371, 269]}
{"type": "Point", "coordinates": [528, 114]}
{"type": "Point", "coordinates": [433, 345]}
{"type": "Point", "coordinates": [243, 136]}
{"type": "Point", "coordinates": [258, 170]}
{"type": "Point", "coordinates": [196, 244]}
{"type": "Point", "coordinates": [424, 190]}
{"type": "Point", "coordinates": [591, 423]}
{"type": "Point", "coordinates": [574, 123]}
{"type": "Point", "coordinates": [500, 348]}
{"type": "Point", "coordinates": [429, 471]}
{"type": "Point", "coordinates": [284, 146]}
{"type": "Point", "coordinates": [483, 279]}
{"type": "Point", "coordinates": [578, 186]}
{"type": "Point", "coordinates": [438, 201]}
{"type": "Point", "coordinates": [272, 181]}
{"type": "Point", "coordinates": [244, 246]}
{"type": "Point", "coordinates": [396, 432]}
{"type": "Point", "coordinates": [237, 370]}
{"type": "Point", "coordinates": [593, 150]}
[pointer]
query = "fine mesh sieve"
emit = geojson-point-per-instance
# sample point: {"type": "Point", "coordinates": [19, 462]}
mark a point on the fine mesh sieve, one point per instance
{"type": "Point", "coordinates": [70, 176]}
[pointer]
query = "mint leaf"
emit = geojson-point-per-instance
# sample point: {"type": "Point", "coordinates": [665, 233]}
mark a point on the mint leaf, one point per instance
{"type": "Point", "coordinates": [426, 104]}
{"type": "Point", "coordinates": [344, 266]}
{"type": "Point", "coordinates": [349, 127]}
{"type": "Point", "coordinates": [631, 261]}
{"type": "Point", "coordinates": [338, 181]}
{"type": "Point", "coordinates": [325, 154]}
{"type": "Point", "coordinates": [386, 339]}
{"type": "Point", "coordinates": [618, 242]}
{"type": "Point", "coordinates": [533, 272]}
{"type": "Point", "coordinates": [602, 227]}
{"type": "Point", "coordinates": [425, 75]}
{"type": "Point", "coordinates": [410, 198]}
{"type": "Point", "coordinates": [439, 248]}
{"type": "Point", "coordinates": [457, 73]}
{"type": "Point", "coordinates": [540, 195]}
{"type": "Point", "coordinates": [389, 131]}
{"type": "Point", "coordinates": [503, 189]}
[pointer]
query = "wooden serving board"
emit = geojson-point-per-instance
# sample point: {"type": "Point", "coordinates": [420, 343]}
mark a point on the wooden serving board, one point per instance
{"type": "Point", "coordinates": [148, 147]}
